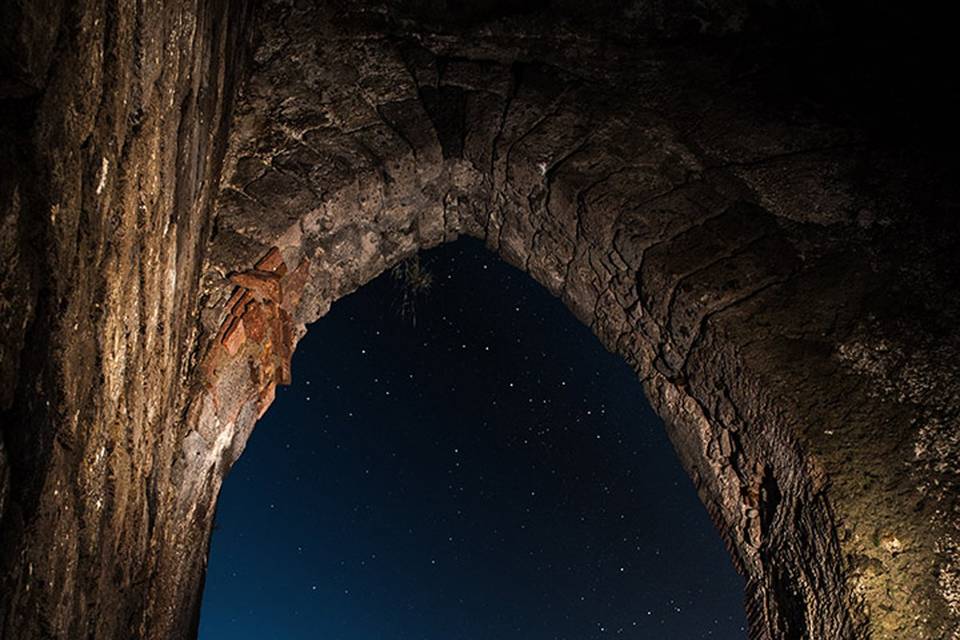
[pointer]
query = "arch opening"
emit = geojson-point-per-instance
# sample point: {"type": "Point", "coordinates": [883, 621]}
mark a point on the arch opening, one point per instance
{"type": "Point", "coordinates": [688, 243]}
{"type": "Point", "coordinates": [768, 237]}
{"type": "Point", "coordinates": [486, 472]}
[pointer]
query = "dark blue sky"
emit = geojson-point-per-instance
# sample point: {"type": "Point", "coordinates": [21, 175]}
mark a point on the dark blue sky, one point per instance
{"type": "Point", "coordinates": [487, 473]}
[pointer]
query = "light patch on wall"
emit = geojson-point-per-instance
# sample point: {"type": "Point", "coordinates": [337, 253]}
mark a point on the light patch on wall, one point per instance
{"type": "Point", "coordinates": [104, 172]}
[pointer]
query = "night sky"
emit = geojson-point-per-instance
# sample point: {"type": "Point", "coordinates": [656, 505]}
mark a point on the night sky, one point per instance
{"type": "Point", "coordinates": [484, 470]}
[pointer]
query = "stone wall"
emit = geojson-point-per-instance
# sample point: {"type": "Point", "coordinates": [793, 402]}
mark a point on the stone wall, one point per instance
{"type": "Point", "coordinates": [112, 138]}
{"type": "Point", "coordinates": [722, 244]}
{"type": "Point", "coordinates": [777, 273]}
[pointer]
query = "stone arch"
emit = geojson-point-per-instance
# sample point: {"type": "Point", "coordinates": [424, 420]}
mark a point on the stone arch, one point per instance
{"type": "Point", "coordinates": [791, 325]}
{"type": "Point", "coordinates": [676, 261]}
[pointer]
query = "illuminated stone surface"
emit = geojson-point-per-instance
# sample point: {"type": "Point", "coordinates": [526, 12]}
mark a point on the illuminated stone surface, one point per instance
{"type": "Point", "coordinates": [775, 270]}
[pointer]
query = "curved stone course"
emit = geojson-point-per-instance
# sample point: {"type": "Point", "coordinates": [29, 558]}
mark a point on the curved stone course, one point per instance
{"type": "Point", "coordinates": [778, 279]}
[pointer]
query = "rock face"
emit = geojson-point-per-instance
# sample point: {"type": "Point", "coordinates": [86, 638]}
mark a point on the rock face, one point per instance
{"type": "Point", "coordinates": [715, 203]}
{"type": "Point", "coordinates": [115, 118]}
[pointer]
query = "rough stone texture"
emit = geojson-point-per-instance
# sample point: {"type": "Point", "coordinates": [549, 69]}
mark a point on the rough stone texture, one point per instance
{"type": "Point", "coordinates": [699, 185]}
{"type": "Point", "coordinates": [111, 143]}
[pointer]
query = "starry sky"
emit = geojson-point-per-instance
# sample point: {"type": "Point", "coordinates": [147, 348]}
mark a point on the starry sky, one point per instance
{"type": "Point", "coordinates": [478, 469]}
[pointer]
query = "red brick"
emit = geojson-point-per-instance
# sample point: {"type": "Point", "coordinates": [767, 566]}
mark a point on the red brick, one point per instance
{"type": "Point", "coordinates": [241, 303]}
{"type": "Point", "coordinates": [235, 336]}
{"type": "Point", "coordinates": [273, 261]}
{"type": "Point", "coordinates": [263, 284]}
{"type": "Point", "coordinates": [254, 322]}
{"type": "Point", "coordinates": [238, 293]}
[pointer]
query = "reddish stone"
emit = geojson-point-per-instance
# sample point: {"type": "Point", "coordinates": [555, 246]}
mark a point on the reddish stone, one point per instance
{"type": "Point", "coordinates": [273, 261]}
{"type": "Point", "coordinates": [238, 294]}
{"type": "Point", "coordinates": [263, 284]}
{"type": "Point", "coordinates": [285, 344]}
{"type": "Point", "coordinates": [282, 373]}
{"type": "Point", "coordinates": [241, 303]}
{"type": "Point", "coordinates": [267, 395]}
{"type": "Point", "coordinates": [293, 285]}
{"type": "Point", "coordinates": [235, 336]}
{"type": "Point", "coordinates": [254, 322]}
{"type": "Point", "coordinates": [263, 370]}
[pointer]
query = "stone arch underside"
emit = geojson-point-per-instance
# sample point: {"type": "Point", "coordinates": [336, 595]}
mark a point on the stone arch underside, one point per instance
{"type": "Point", "coordinates": [724, 251]}
{"type": "Point", "coordinates": [706, 263]}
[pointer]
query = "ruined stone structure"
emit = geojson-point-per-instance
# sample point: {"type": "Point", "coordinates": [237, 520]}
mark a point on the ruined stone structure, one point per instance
{"type": "Point", "coordinates": [760, 226]}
